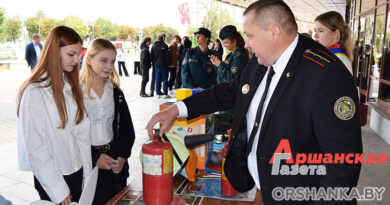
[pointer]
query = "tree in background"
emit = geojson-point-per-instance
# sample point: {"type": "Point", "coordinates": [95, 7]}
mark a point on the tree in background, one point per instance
{"type": "Point", "coordinates": [2, 19]}
{"type": "Point", "coordinates": [154, 31]}
{"type": "Point", "coordinates": [13, 28]}
{"type": "Point", "coordinates": [126, 32]}
{"type": "Point", "coordinates": [46, 25]}
{"type": "Point", "coordinates": [40, 14]}
{"type": "Point", "coordinates": [215, 17]}
{"type": "Point", "coordinates": [32, 26]}
{"type": "Point", "coordinates": [77, 24]}
{"type": "Point", "coordinates": [106, 29]}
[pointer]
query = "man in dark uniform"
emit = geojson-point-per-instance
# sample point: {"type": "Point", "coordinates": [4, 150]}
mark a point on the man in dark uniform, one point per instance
{"type": "Point", "coordinates": [197, 71]}
{"type": "Point", "coordinates": [295, 97]}
{"type": "Point", "coordinates": [236, 60]}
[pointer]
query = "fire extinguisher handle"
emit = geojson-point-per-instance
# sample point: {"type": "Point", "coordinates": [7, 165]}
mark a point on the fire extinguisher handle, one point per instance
{"type": "Point", "coordinates": [156, 137]}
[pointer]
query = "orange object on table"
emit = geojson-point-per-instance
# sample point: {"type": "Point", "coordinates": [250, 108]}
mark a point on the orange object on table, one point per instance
{"type": "Point", "coordinates": [191, 166]}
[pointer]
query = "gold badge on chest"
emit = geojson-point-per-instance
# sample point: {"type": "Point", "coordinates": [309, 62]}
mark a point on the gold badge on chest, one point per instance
{"type": "Point", "coordinates": [245, 89]}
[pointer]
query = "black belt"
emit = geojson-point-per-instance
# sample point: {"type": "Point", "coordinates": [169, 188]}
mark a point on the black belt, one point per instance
{"type": "Point", "coordinates": [103, 148]}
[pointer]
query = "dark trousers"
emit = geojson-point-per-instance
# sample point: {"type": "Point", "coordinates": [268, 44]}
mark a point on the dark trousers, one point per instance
{"type": "Point", "coordinates": [74, 182]}
{"type": "Point", "coordinates": [120, 64]}
{"type": "Point", "coordinates": [108, 183]}
{"type": "Point", "coordinates": [161, 75]}
{"type": "Point", "coordinates": [172, 77]}
{"type": "Point", "coordinates": [137, 67]}
{"type": "Point", "coordinates": [145, 79]}
{"type": "Point", "coordinates": [178, 78]}
{"type": "Point", "coordinates": [153, 81]}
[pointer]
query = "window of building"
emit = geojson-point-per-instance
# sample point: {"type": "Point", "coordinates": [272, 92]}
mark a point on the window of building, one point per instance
{"type": "Point", "coordinates": [384, 81]}
{"type": "Point", "coordinates": [379, 35]}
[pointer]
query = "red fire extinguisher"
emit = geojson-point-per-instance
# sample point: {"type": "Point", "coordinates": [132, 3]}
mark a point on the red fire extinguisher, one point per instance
{"type": "Point", "coordinates": [157, 171]}
{"type": "Point", "coordinates": [226, 188]}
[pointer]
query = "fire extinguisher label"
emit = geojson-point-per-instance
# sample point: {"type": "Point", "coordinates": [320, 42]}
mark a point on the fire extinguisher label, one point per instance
{"type": "Point", "coordinates": [152, 164]}
{"type": "Point", "coordinates": [168, 161]}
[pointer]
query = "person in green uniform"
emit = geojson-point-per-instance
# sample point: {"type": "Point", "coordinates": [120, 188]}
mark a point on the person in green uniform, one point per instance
{"type": "Point", "coordinates": [197, 69]}
{"type": "Point", "coordinates": [236, 60]}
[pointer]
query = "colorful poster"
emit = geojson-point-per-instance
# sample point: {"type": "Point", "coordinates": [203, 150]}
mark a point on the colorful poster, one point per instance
{"type": "Point", "coordinates": [211, 187]}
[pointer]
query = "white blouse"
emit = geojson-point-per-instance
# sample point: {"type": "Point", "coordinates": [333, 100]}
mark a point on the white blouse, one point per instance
{"type": "Point", "coordinates": [45, 149]}
{"type": "Point", "coordinates": [101, 114]}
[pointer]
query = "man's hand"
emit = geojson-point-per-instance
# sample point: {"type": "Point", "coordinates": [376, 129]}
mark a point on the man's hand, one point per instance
{"type": "Point", "coordinates": [67, 200]}
{"type": "Point", "coordinates": [105, 162]}
{"type": "Point", "coordinates": [165, 118]}
{"type": "Point", "coordinates": [117, 167]}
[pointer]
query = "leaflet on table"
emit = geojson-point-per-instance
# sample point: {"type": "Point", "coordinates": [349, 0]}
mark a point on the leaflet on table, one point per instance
{"type": "Point", "coordinates": [136, 198]}
{"type": "Point", "coordinates": [211, 187]}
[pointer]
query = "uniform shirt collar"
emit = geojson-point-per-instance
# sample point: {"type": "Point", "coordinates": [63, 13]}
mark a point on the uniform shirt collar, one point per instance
{"type": "Point", "coordinates": [282, 61]}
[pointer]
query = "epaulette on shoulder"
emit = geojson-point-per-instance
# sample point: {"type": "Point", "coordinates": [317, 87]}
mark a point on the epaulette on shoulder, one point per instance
{"type": "Point", "coordinates": [318, 56]}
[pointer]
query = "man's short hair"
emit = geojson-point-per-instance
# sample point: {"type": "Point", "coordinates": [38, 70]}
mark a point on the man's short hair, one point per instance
{"type": "Point", "coordinates": [146, 39]}
{"type": "Point", "coordinates": [268, 12]}
{"type": "Point", "coordinates": [161, 37]}
{"type": "Point", "coordinates": [34, 36]}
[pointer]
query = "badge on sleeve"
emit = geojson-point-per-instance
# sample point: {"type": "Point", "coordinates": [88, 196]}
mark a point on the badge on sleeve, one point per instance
{"type": "Point", "coordinates": [245, 89]}
{"type": "Point", "coordinates": [344, 108]}
{"type": "Point", "coordinates": [234, 70]}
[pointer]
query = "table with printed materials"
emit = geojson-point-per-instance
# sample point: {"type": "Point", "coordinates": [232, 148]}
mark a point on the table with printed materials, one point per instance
{"type": "Point", "coordinates": [129, 196]}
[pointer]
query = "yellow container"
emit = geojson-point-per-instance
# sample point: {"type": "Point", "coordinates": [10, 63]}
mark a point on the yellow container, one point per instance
{"type": "Point", "coordinates": [183, 93]}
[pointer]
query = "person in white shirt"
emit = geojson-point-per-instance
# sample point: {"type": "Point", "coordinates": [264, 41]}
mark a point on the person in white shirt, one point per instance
{"type": "Point", "coordinates": [52, 128]}
{"type": "Point", "coordinates": [332, 32]}
{"type": "Point", "coordinates": [294, 98]}
{"type": "Point", "coordinates": [112, 131]}
{"type": "Point", "coordinates": [121, 58]}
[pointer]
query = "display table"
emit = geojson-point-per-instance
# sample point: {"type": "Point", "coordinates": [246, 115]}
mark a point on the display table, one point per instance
{"type": "Point", "coordinates": [258, 200]}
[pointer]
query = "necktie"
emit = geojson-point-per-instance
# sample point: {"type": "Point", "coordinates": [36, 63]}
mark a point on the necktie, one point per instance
{"type": "Point", "coordinates": [271, 72]}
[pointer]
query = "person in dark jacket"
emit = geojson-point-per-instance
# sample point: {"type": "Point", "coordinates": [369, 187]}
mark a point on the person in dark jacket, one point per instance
{"type": "Point", "coordinates": [294, 98]}
{"type": "Point", "coordinates": [33, 51]}
{"type": "Point", "coordinates": [160, 60]}
{"type": "Point", "coordinates": [112, 131]}
{"type": "Point", "coordinates": [217, 47]}
{"type": "Point", "coordinates": [182, 52]}
{"type": "Point", "coordinates": [146, 63]}
{"type": "Point", "coordinates": [197, 71]}
{"type": "Point", "coordinates": [236, 60]}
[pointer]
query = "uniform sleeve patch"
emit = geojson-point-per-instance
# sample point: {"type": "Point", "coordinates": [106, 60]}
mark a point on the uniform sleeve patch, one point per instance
{"type": "Point", "coordinates": [344, 108]}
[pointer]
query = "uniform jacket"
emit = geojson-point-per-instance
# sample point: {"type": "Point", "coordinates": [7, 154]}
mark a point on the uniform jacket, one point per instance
{"type": "Point", "coordinates": [232, 66]}
{"type": "Point", "coordinates": [301, 109]}
{"type": "Point", "coordinates": [124, 134]}
{"type": "Point", "coordinates": [197, 69]}
{"type": "Point", "coordinates": [145, 60]}
{"type": "Point", "coordinates": [30, 55]}
{"type": "Point", "coordinates": [160, 54]}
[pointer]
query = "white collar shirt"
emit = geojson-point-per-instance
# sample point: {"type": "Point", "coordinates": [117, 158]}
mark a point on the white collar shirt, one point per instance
{"type": "Point", "coordinates": [120, 55]}
{"type": "Point", "coordinates": [101, 114]}
{"type": "Point", "coordinates": [47, 150]}
{"type": "Point", "coordinates": [37, 50]}
{"type": "Point", "coordinates": [278, 67]}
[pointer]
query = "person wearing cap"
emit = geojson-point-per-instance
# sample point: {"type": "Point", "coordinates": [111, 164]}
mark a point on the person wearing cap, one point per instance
{"type": "Point", "coordinates": [197, 69]}
{"type": "Point", "coordinates": [236, 60]}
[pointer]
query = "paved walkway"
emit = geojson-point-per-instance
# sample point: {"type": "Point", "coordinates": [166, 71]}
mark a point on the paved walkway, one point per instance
{"type": "Point", "coordinates": [18, 187]}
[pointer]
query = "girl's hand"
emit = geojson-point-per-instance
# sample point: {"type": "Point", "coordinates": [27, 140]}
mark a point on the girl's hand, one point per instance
{"type": "Point", "coordinates": [117, 167]}
{"type": "Point", "coordinates": [215, 60]}
{"type": "Point", "coordinates": [105, 162]}
{"type": "Point", "coordinates": [67, 200]}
